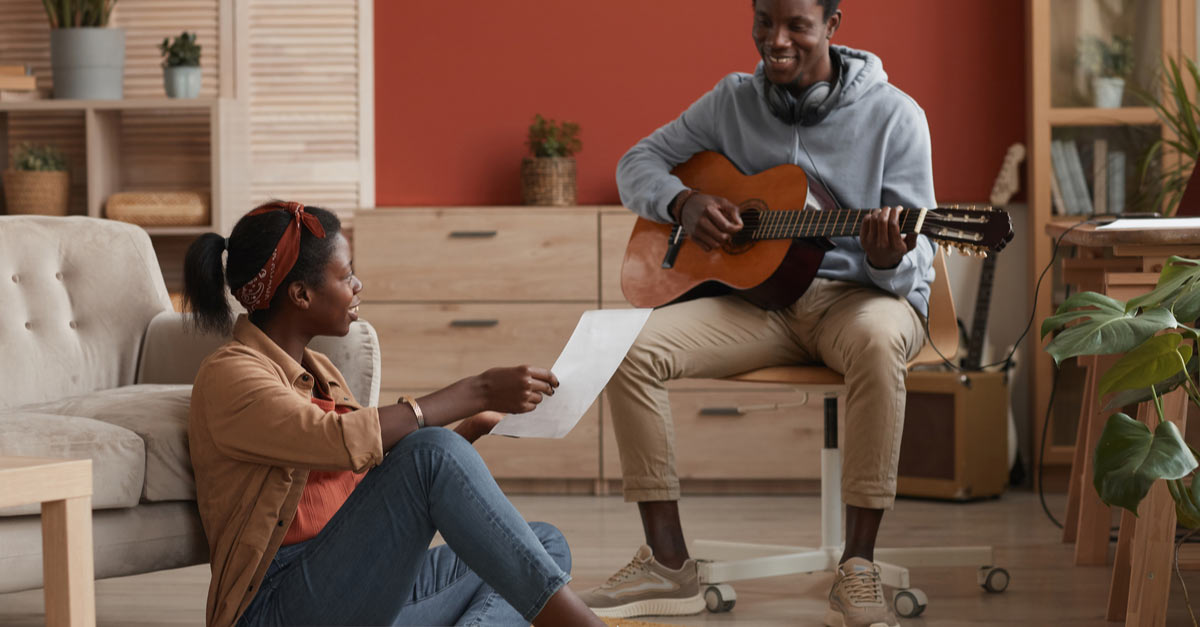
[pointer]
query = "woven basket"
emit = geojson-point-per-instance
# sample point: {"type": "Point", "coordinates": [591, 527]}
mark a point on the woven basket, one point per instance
{"type": "Point", "coordinates": [548, 181]}
{"type": "Point", "coordinates": [41, 193]}
{"type": "Point", "coordinates": [159, 208]}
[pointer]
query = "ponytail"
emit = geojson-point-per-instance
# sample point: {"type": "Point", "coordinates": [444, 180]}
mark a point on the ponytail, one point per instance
{"type": "Point", "coordinates": [204, 285]}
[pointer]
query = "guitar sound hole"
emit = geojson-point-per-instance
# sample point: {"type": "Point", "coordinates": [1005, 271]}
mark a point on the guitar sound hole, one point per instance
{"type": "Point", "coordinates": [743, 241]}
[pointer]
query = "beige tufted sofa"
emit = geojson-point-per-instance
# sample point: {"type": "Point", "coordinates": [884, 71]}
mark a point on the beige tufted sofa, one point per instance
{"type": "Point", "coordinates": [94, 363]}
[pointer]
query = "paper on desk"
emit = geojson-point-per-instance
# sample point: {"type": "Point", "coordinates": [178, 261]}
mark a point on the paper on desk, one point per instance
{"type": "Point", "coordinates": [586, 363]}
{"type": "Point", "coordinates": [1151, 223]}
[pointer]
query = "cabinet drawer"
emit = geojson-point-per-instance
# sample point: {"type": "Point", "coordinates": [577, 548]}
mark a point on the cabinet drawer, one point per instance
{"type": "Point", "coordinates": [576, 456]}
{"type": "Point", "coordinates": [615, 228]}
{"type": "Point", "coordinates": [762, 443]}
{"type": "Point", "coordinates": [429, 346]}
{"type": "Point", "coordinates": [477, 254]}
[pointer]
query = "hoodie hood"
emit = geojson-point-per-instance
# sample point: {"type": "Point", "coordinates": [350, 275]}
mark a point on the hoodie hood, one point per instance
{"type": "Point", "coordinates": [862, 71]}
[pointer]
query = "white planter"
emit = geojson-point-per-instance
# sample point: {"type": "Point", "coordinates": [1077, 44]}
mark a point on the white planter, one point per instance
{"type": "Point", "coordinates": [88, 63]}
{"type": "Point", "coordinates": [1108, 92]}
{"type": "Point", "coordinates": [182, 81]}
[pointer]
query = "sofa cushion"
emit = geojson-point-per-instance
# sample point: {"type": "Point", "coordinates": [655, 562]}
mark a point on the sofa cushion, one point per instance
{"type": "Point", "coordinates": [156, 413]}
{"type": "Point", "coordinates": [118, 455]}
{"type": "Point", "coordinates": [76, 295]}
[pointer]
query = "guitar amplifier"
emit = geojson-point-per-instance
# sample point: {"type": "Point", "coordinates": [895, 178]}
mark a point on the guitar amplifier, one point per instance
{"type": "Point", "coordinates": [955, 443]}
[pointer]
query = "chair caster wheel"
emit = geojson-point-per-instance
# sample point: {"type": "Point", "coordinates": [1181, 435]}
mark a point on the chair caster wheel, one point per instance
{"type": "Point", "coordinates": [993, 579]}
{"type": "Point", "coordinates": [910, 602]}
{"type": "Point", "coordinates": [719, 598]}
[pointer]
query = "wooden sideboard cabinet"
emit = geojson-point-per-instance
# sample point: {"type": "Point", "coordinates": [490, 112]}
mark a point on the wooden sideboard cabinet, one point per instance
{"type": "Point", "coordinates": [454, 291]}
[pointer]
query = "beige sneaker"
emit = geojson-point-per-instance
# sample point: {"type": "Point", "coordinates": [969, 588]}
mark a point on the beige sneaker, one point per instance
{"type": "Point", "coordinates": [646, 588]}
{"type": "Point", "coordinates": [856, 599]}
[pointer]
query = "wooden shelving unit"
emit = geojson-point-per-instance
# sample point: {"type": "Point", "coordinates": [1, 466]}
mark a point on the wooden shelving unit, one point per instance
{"type": "Point", "coordinates": [1055, 105]}
{"type": "Point", "coordinates": [123, 140]}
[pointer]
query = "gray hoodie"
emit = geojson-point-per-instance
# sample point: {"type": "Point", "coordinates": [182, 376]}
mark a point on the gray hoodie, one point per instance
{"type": "Point", "coordinates": [872, 150]}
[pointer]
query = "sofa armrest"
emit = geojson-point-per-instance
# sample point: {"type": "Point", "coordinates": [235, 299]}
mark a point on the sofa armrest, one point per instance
{"type": "Point", "coordinates": [173, 349]}
{"type": "Point", "coordinates": [357, 356]}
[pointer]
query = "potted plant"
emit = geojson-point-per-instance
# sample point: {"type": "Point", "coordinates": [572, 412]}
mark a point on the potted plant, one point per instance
{"type": "Point", "coordinates": [1110, 61]}
{"type": "Point", "coordinates": [1162, 186]}
{"type": "Point", "coordinates": [37, 181]}
{"type": "Point", "coordinates": [548, 175]}
{"type": "Point", "coordinates": [1153, 332]}
{"type": "Point", "coordinates": [181, 66]}
{"type": "Point", "coordinates": [87, 57]}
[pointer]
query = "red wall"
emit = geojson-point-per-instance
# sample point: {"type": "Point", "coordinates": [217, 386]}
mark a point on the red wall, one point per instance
{"type": "Point", "coordinates": [457, 84]}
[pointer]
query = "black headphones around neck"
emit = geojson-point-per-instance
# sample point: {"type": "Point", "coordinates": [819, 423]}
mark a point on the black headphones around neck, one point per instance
{"type": "Point", "coordinates": [814, 105]}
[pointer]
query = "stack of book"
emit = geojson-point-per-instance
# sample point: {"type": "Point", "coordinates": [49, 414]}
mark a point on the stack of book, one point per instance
{"type": "Point", "coordinates": [1100, 190]}
{"type": "Point", "coordinates": [17, 83]}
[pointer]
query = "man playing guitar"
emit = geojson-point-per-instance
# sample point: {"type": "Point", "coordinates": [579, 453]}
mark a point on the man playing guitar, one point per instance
{"type": "Point", "coordinates": [831, 111]}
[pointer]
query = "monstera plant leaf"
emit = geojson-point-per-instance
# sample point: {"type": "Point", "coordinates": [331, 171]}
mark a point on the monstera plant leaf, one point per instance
{"type": "Point", "coordinates": [1106, 329]}
{"type": "Point", "coordinates": [1178, 286]}
{"type": "Point", "coordinates": [1141, 395]}
{"type": "Point", "coordinates": [1187, 501]}
{"type": "Point", "coordinates": [1154, 360]}
{"type": "Point", "coordinates": [1129, 459]}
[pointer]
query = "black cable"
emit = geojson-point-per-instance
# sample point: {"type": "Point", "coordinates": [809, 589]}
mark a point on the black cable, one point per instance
{"type": "Point", "coordinates": [1041, 475]}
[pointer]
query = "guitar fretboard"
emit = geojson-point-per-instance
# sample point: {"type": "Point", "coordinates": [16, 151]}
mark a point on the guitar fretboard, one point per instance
{"type": "Point", "coordinates": [794, 223]}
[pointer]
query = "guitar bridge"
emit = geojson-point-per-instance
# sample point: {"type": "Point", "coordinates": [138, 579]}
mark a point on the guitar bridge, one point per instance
{"type": "Point", "coordinates": [676, 240]}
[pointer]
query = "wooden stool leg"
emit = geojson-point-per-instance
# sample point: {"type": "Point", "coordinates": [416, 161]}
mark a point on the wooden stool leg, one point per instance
{"type": "Point", "coordinates": [1118, 589]}
{"type": "Point", "coordinates": [1078, 470]}
{"type": "Point", "coordinates": [1095, 518]}
{"type": "Point", "coordinates": [1154, 539]}
{"type": "Point", "coordinates": [67, 564]}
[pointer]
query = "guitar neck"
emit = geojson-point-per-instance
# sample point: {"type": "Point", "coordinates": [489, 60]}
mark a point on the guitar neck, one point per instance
{"type": "Point", "coordinates": [789, 224]}
{"type": "Point", "coordinates": [983, 301]}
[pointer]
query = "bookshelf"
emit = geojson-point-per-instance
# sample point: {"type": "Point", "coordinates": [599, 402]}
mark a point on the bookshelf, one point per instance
{"type": "Point", "coordinates": [1059, 109]}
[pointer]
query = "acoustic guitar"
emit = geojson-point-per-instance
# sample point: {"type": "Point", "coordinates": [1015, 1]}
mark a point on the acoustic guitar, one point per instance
{"type": "Point", "coordinates": [787, 223]}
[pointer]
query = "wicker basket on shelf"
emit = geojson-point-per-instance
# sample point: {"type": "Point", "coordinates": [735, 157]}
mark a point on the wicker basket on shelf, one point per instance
{"type": "Point", "coordinates": [548, 181]}
{"type": "Point", "coordinates": [185, 208]}
{"type": "Point", "coordinates": [37, 192]}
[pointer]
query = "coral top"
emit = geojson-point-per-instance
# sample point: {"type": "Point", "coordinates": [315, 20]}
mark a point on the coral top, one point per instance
{"type": "Point", "coordinates": [324, 492]}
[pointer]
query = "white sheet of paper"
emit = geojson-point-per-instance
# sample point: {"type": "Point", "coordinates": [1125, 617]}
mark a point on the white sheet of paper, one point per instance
{"type": "Point", "coordinates": [1150, 223]}
{"type": "Point", "coordinates": [586, 363]}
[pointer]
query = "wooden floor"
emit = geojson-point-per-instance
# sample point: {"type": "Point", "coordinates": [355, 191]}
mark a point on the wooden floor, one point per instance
{"type": "Point", "coordinates": [604, 532]}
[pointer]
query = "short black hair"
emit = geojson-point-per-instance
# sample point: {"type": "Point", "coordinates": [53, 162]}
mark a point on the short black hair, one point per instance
{"type": "Point", "coordinates": [828, 7]}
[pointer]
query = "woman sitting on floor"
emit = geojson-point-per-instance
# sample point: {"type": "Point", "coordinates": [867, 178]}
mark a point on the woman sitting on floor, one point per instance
{"type": "Point", "coordinates": [321, 511]}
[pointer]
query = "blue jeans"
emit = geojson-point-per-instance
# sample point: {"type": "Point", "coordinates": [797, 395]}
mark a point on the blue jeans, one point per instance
{"type": "Point", "coordinates": [372, 565]}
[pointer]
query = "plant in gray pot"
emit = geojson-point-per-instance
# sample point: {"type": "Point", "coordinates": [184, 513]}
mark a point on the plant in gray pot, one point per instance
{"type": "Point", "coordinates": [181, 66]}
{"type": "Point", "coordinates": [1110, 62]}
{"type": "Point", "coordinates": [87, 57]}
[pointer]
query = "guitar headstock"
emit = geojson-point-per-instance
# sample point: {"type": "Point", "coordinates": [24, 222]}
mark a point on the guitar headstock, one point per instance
{"type": "Point", "coordinates": [970, 229]}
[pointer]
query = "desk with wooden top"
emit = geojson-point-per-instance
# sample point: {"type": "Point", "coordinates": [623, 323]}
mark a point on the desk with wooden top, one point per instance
{"type": "Point", "coordinates": [1142, 567]}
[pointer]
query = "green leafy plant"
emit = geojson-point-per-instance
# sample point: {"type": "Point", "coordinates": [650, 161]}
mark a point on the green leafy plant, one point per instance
{"type": "Point", "coordinates": [548, 138]}
{"type": "Point", "coordinates": [1163, 186]}
{"type": "Point", "coordinates": [1108, 58]}
{"type": "Point", "coordinates": [1153, 332]}
{"type": "Point", "coordinates": [38, 158]}
{"type": "Point", "coordinates": [182, 51]}
{"type": "Point", "coordinates": [78, 13]}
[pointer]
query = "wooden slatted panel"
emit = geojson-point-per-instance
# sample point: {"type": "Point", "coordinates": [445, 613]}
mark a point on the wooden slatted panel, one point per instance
{"type": "Point", "coordinates": [165, 150]}
{"type": "Point", "coordinates": [304, 100]}
{"type": "Point", "coordinates": [63, 130]}
{"type": "Point", "coordinates": [147, 22]}
{"type": "Point", "coordinates": [25, 38]}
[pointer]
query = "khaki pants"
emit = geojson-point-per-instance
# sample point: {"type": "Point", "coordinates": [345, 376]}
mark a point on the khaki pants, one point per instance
{"type": "Point", "coordinates": [864, 333]}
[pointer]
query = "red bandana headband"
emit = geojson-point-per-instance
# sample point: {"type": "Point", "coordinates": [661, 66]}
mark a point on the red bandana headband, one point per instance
{"type": "Point", "coordinates": [257, 293]}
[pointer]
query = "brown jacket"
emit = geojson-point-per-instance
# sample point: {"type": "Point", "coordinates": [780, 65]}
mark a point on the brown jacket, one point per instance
{"type": "Point", "coordinates": [254, 434]}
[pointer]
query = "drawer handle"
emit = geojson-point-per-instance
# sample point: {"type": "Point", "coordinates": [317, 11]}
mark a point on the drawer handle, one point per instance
{"type": "Point", "coordinates": [472, 234]}
{"type": "Point", "coordinates": [746, 409]}
{"type": "Point", "coordinates": [483, 322]}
